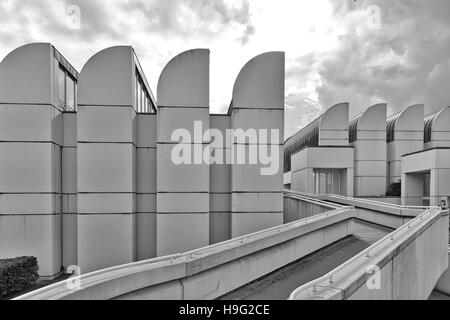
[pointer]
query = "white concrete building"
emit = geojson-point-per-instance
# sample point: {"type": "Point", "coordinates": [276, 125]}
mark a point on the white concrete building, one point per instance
{"type": "Point", "coordinates": [258, 104]}
{"type": "Point", "coordinates": [367, 134]}
{"type": "Point", "coordinates": [318, 159]}
{"type": "Point", "coordinates": [426, 173]}
{"type": "Point", "coordinates": [404, 135]}
{"type": "Point", "coordinates": [87, 175]}
{"type": "Point", "coordinates": [112, 93]}
{"type": "Point", "coordinates": [37, 98]}
{"type": "Point", "coordinates": [405, 149]}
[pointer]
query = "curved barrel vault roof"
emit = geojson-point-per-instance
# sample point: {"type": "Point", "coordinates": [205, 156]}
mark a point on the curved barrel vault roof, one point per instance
{"type": "Point", "coordinates": [26, 75]}
{"type": "Point", "coordinates": [409, 119]}
{"type": "Point", "coordinates": [373, 119]}
{"type": "Point", "coordinates": [107, 78]}
{"type": "Point", "coordinates": [437, 122]}
{"type": "Point", "coordinates": [336, 117]}
{"type": "Point", "coordinates": [184, 81]}
{"type": "Point", "coordinates": [260, 83]}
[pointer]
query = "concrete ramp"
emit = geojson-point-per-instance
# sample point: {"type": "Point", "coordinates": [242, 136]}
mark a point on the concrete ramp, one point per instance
{"type": "Point", "coordinates": [406, 264]}
{"type": "Point", "coordinates": [410, 261]}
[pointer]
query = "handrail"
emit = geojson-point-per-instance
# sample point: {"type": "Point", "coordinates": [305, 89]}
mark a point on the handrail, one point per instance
{"type": "Point", "coordinates": [379, 202]}
{"type": "Point", "coordinates": [361, 200]}
{"type": "Point", "coordinates": [367, 253]}
{"type": "Point", "coordinates": [313, 200]}
{"type": "Point", "coordinates": [266, 232]}
{"type": "Point", "coordinates": [182, 257]}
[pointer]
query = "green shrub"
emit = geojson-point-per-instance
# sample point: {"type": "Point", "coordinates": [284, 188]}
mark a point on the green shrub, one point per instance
{"type": "Point", "coordinates": [395, 189]}
{"type": "Point", "coordinates": [18, 274]}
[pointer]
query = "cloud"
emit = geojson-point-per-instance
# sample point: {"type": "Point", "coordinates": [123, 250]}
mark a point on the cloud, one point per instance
{"type": "Point", "coordinates": [158, 30]}
{"type": "Point", "coordinates": [405, 62]}
{"type": "Point", "coordinates": [332, 54]}
{"type": "Point", "coordinates": [189, 18]}
{"type": "Point", "coordinates": [299, 116]}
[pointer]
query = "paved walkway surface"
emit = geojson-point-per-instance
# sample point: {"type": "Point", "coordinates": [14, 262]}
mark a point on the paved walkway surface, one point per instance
{"type": "Point", "coordinates": [281, 283]}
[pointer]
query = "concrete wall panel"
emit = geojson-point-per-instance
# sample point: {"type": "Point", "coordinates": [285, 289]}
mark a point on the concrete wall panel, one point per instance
{"type": "Point", "coordinates": [334, 126]}
{"type": "Point", "coordinates": [183, 188]}
{"type": "Point", "coordinates": [257, 202]}
{"type": "Point", "coordinates": [219, 227]}
{"type": "Point", "coordinates": [39, 236]}
{"type": "Point", "coordinates": [260, 83]}
{"type": "Point", "coordinates": [220, 202]}
{"type": "Point", "coordinates": [242, 224]}
{"type": "Point", "coordinates": [370, 151]}
{"type": "Point", "coordinates": [194, 202]}
{"type": "Point", "coordinates": [99, 203]}
{"type": "Point", "coordinates": [145, 236]}
{"type": "Point", "coordinates": [179, 178]}
{"type": "Point", "coordinates": [35, 204]}
{"type": "Point", "coordinates": [32, 123]}
{"type": "Point", "coordinates": [29, 168]}
{"type": "Point", "coordinates": [184, 82]}
{"type": "Point", "coordinates": [181, 231]}
{"type": "Point", "coordinates": [25, 75]}
{"type": "Point", "coordinates": [105, 167]}
{"type": "Point", "coordinates": [107, 78]}
{"type": "Point", "coordinates": [147, 130]}
{"type": "Point", "coordinates": [105, 240]}
{"type": "Point", "coordinates": [172, 119]}
{"type": "Point", "coordinates": [146, 167]}
{"type": "Point", "coordinates": [106, 124]}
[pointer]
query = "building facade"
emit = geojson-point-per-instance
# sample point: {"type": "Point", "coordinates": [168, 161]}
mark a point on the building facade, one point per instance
{"type": "Point", "coordinates": [318, 159]}
{"type": "Point", "coordinates": [406, 149]}
{"type": "Point", "coordinates": [87, 170]}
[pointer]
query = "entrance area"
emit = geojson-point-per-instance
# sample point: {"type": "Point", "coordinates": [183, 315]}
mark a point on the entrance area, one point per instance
{"type": "Point", "coordinates": [330, 181]}
{"type": "Point", "coordinates": [426, 178]}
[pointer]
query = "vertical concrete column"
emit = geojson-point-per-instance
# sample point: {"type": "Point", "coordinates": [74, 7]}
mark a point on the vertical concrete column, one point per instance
{"type": "Point", "coordinates": [370, 153]}
{"type": "Point", "coordinates": [412, 189]}
{"type": "Point", "coordinates": [69, 190]}
{"type": "Point", "coordinates": [302, 178]}
{"type": "Point", "coordinates": [106, 167]}
{"type": "Point", "coordinates": [333, 130]}
{"type": "Point", "coordinates": [309, 180]}
{"type": "Point", "coordinates": [220, 182]}
{"type": "Point", "coordinates": [30, 158]}
{"type": "Point", "coordinates": [440, 177]}
{"type": "Point", "coordinates": [146, 187]}
{"type": "Point", "coordinates": [437, 129]}
{"type": "Point", "coordinates": [258, 108]}
{"type": "Point", "coordinates": [405, 135]}
{"type": "Point", "coordinates": [349, 181]}
{"type": "Point", "coordinates": [182, 175]}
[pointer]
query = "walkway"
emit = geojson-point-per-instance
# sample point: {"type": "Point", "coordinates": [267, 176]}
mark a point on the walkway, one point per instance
{"type": "Point", "coordinates": [281, 283]}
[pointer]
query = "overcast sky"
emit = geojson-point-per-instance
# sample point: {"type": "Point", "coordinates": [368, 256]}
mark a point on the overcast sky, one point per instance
{"type": "Point", "coordinates": [336, 51]}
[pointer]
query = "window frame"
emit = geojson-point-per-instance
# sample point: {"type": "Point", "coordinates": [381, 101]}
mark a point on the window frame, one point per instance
{"type": "Point", "coordinates": [62, 104]}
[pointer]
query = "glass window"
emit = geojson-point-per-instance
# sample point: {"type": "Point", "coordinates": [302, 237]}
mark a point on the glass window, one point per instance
{"type": "Point", "coordinates": [143, 104]}
{"type": "Point", "coordinates": [146, 104]}
{"type": "Point", "coordinates": [142, 99]}
{"type": "Point", "coordinates": [426, 184]}
{"type": "Point", "coordinates": [67, 90]}
{"type": "Point", "coordinates": [327, 181]}
{"type": "Point", "coordinates": [61, 87]}
{"type": "Point", "coordinates": [70, 94]}
{"type": "Point", "coordinates": [136, 93]}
